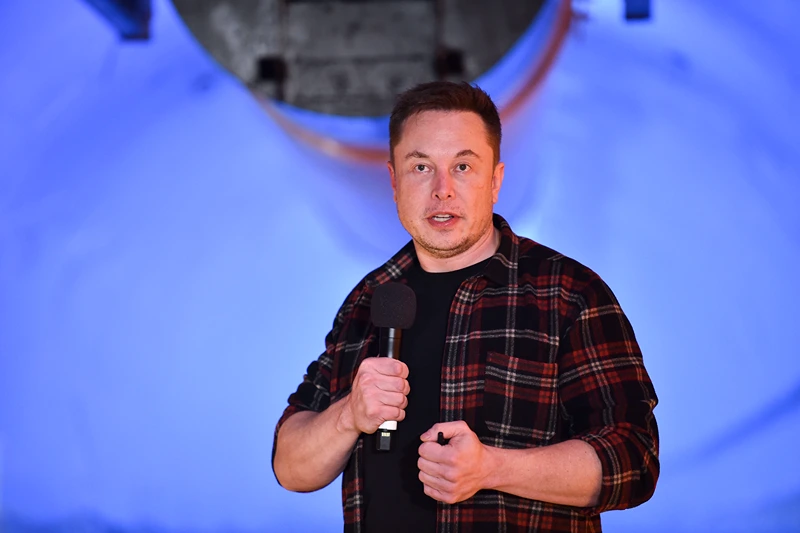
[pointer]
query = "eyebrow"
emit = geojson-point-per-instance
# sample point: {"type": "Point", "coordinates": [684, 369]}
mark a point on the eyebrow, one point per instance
{"type": "Point", "coordinates": [419, 155]}
{"type": "Point", "coordinates": [467, 152]}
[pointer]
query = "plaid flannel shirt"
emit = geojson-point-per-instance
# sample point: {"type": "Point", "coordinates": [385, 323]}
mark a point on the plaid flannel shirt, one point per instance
{"type": "Point", "coordinates": [537, 351]}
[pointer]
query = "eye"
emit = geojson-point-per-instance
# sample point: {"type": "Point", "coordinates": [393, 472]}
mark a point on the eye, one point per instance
{"type": "Point", "coordinates": [419, 167]}
{"type": "Point", "coordinates": [462, 167]}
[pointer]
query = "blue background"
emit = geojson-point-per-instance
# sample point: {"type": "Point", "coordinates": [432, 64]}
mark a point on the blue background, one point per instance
{"type": "Point", "coordinates": [171, 259]}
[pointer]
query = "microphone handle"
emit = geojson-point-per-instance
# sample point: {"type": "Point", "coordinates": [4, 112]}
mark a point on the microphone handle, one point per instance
{"type": "Point", "coordinates": [383, 440]}
{"type": "Point", "coordinates": [393, 338]}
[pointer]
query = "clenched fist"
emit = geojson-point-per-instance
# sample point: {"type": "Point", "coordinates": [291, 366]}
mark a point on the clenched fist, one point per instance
{"type": "Point", "coordinates": [378, 394]}
{"type": "Point", "coordinates": [456, 471]}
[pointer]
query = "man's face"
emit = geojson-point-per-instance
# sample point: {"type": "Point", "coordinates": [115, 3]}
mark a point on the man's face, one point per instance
{"type": "Point", "coordinates": [445, 182]}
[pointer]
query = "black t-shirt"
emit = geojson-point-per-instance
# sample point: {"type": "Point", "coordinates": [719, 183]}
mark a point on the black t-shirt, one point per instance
{"type": "Point", "coordinates": [393, 493]}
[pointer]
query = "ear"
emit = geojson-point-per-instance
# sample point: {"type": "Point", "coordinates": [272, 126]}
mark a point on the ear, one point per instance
{"type": "Point", "coordinates": [497, 181]}
{"type": "Point", "coordinates": [393, 179]}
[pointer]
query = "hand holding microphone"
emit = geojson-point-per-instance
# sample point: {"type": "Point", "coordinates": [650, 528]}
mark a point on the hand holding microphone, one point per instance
{"type": "Point", "coordinates": [393, 309]}
{"type": "Point", "coordinates": [378, 395]}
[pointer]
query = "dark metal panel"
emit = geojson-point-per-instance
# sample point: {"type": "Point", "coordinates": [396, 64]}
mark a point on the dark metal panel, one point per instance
{"type": "Point", "coordinates": [131, 18]}
{"type": "Point", "coordinates": [637, 9]}
{"type": "Point", "coordinates": [352, 57]}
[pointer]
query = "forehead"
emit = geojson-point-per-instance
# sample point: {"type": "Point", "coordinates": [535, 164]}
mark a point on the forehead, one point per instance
{"type": "Point", "coordinates": [431, 129]}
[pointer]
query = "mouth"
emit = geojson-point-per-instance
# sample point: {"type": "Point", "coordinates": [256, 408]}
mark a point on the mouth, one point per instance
{"type": "Point", "coordinates": [442, 217]}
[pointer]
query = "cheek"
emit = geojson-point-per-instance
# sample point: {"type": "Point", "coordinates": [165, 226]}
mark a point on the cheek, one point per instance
{"type": "Point", "coordinates": [407, 196]}
{"type": "Point", "coordinates": [404, 206]}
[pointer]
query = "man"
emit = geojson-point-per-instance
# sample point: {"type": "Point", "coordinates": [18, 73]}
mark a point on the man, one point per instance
{"type": "Point", "coordinates": [520, 357]}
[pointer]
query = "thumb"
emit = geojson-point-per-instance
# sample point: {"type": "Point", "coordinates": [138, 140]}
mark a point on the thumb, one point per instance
{"type": "Point", "coordinates": [447, 429]}
{"type": "Point", "coordinates": [432, 434]}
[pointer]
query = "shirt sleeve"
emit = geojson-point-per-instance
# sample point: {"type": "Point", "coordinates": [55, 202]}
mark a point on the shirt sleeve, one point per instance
{"type": "Point", "coordinates": [313, 393]}
{"type": "Point", "coordinates": [609, 399]}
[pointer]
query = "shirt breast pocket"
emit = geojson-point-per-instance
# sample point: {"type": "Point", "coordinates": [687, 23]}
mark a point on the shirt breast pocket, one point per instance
{"type": "Point", "coordinates": [520, 401]}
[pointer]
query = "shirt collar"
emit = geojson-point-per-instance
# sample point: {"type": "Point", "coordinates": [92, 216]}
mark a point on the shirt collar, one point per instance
{"type": "Point", "coordinates": [502, 269]}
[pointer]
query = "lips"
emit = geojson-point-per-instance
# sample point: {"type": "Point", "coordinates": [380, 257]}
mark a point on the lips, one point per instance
{"type": "Point", "coordinates": [442, 219]}
{"type": "Point", "coordinates": [441, 216]}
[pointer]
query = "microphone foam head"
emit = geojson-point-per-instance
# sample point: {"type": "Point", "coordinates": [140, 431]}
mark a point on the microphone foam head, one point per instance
{"type": "Point", "coordinates": [394, 305]}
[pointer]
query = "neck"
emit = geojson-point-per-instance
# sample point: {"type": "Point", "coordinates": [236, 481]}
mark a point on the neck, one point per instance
{"type": "Point", "coordinates": [483, 249]}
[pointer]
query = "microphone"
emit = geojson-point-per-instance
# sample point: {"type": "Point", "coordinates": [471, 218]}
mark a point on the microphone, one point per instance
{"type": "Point", "coordinates": [393, 309]}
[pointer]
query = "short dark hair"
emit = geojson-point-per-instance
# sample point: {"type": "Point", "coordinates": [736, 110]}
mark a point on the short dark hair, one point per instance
{"type": "Point", "coordinates": [445, 96]}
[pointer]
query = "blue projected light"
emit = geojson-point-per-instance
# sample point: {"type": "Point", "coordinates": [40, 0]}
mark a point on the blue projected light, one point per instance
{"type": "Point", "coordinates": [171, 259]}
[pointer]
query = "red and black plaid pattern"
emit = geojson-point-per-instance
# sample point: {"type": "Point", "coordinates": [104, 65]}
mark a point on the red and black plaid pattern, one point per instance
{"type": "Point", "coordinates": [537, 351]}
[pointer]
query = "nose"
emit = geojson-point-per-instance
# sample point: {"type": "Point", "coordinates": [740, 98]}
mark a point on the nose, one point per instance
{"type": "Point", "coordinates": [443, 186]}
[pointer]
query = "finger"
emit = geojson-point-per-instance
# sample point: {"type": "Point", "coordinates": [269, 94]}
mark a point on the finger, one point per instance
{"type": "Point", "coordinates": [431, 435]}
{"type": "Point", "coordinates": [435, 494]}
{"type": "Point", "coordinates": [374, 396]}
{"type": "Point", "coordinates": [431, 451]}
{"type": "Point", "coordinates": [394, 414]}
{"type": "Point", "coordinates": [370, 379]}
{"type": "Point", "coordinates": [434, 469]}
{"type": "Point", "coordinates": [440, 487]}
{"type": "Point", "coordinates": [393, 399]}
{"type": "Point", "coordinates": [398, 413]}
{"type": "Point", "coordinates": [393, 384]}
{"type": "Point", "coordinates": [448, 430]}
{"type": "Point", "coordinates": [403, 370]}
{"type": "Point", "coordinates": [383, 404]}
{"type": "Point", "coordinates": [381, 366]}
{"type": "Point", "coordinates": [387, 414]}
{"type": "Point", "coordinates": [390, 367]}
{"type": "Point", "coordinates": [433, 481]}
